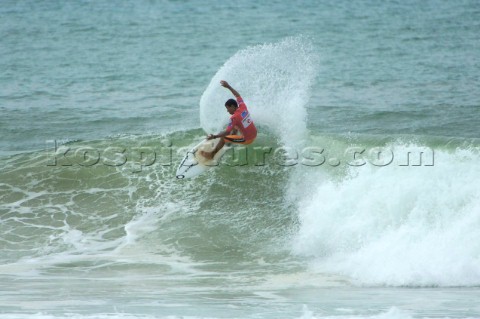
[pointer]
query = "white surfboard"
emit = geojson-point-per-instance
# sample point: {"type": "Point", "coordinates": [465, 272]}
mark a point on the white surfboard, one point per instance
{"type": "Point", "coordinates": [194, 164]}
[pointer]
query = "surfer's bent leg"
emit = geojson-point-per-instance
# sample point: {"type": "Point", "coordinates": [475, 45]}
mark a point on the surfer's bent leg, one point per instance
{"type": "Point", "coordinates": [235, 139]}
{"type": "Point", "coordinates": [218, 147]}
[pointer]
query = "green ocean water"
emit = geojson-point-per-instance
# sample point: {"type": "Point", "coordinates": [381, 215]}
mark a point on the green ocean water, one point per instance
{"type": "Point", "coordinates": [359, 198]}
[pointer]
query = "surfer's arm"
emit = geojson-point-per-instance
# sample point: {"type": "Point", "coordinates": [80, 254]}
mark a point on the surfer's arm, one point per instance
{"type": "Point", "coordinates": [226, 85]}
{"type": "Point", "coordinates": [221, 134]}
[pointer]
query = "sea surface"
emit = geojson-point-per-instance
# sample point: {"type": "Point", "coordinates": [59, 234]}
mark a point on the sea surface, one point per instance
{"type": "Point", "coordinates": [360, 197]}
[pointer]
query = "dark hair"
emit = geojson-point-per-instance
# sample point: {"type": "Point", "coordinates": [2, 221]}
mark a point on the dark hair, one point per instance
{"type": "Point", "coordinates": [231, 102]}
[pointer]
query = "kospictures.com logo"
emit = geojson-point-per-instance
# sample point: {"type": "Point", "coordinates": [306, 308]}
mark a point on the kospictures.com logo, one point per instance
{"type": "Point", "coordinates": [166, 154]}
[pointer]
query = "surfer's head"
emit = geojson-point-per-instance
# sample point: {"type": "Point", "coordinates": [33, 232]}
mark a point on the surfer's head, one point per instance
{"type": "Point", "coordinates": [231, 106]}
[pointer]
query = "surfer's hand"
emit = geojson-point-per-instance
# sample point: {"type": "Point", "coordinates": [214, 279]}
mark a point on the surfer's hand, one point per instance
{"type": "Point", "coordinates": [228, 86]}
{"type": "Point", "coordinates": [210, 137]}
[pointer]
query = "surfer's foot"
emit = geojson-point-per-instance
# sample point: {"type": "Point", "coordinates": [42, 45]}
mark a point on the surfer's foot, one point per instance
{"type": "Point", "coordinates": [207, 155]}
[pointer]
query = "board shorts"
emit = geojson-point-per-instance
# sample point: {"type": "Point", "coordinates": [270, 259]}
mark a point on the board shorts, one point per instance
{"type": "Point", "coordinates": [237, 139]}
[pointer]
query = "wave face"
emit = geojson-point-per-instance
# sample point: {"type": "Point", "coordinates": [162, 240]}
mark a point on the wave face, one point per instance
{"type": "Point", "coordinates": [66, 208]}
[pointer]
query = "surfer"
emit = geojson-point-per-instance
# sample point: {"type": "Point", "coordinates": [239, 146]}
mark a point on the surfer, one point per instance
{"type": "Point", "coordinates": [240, 120]}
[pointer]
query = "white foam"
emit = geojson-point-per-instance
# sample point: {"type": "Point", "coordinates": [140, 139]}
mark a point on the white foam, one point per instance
{"type": "Point", "coordinates": [392, 313]}
{"type": "Point", "coordinates": [274, 80]}
{"type": "Point", "coordinates": [397, 225]}
{"type": "Point", "coordinates": [140, 226]}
